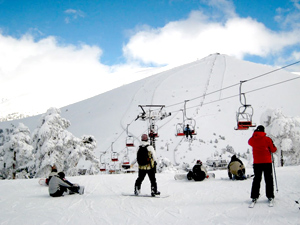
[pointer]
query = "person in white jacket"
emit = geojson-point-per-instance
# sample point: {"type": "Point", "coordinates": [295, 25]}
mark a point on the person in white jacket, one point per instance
{"type": "Point", "coordinates": [58, 186]}
{"type": "Point", "coordinates": [146, 158]}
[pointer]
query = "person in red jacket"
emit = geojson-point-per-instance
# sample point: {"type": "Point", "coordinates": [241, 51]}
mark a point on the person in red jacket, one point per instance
{"type": "Point", "coordinates": [262, 148]}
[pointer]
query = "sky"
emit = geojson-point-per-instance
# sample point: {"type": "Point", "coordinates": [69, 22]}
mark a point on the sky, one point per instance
{"type": "Point", "coordinates": [89, 47]}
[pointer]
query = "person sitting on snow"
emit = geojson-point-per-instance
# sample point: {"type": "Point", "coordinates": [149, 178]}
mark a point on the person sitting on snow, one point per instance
{"type": "Point", "coordinates": [236, 169]}
{"type": "Point", "coordinates": [199, 172]}
{"type": "Point", "coordinates": [58, 186]}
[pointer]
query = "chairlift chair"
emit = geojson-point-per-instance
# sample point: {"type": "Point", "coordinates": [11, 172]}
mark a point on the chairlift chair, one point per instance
{"type": "Point", "coordinates": [185, 121]}
{"type": "Point", "coordinates": [244, 118]}
{"type": "Point", "coordinates": [126, 163]}
{"type": "Point", "coordinates": [245, 112]}
{"type": "Point", "coordinates": [114, 157]}
{"type": "Point", "coordinates": [102, 167]}
{"type": "Point", "coordinates": [179, 129]}
{"type": "Point", "coordinates": [112, 169]}
{"type": "Point", "coordinates": [129, 141]}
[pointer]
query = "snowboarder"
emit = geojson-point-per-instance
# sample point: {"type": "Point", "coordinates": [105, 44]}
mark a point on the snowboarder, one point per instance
{"type": "Point", "coordinates": [58, 186]}
{"type": "Point", "coordinates": [53, 172]}
{"type": "Point", "coordinates": [236, 169]}
{"type": "Point", "coordinates": [146, 159]}
{"type": "Point", "coordinates": [262, 148]}
{"type": "Point", "coordinates": [188, 131]}
{"type": "Point", "coordinates": [199, 172]}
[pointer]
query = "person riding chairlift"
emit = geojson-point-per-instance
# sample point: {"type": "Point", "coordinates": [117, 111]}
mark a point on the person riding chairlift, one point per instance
{"type": "Point", "coordinates": [188, 131]}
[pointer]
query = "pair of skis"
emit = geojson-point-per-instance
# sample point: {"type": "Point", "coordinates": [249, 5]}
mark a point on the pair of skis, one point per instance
{"type": "Point", "coordinates": [270, 203]}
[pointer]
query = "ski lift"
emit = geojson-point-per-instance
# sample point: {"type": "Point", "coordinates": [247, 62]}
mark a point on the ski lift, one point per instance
{"type": "Point", "coordinates": [152, 114]}
{"type": "Point", "coordinates": [114, 155]}
{"type": "Point", "coordinates": [102, 164]}
{"type": "Point", "coordinates": [153, 131]}
{"type": "Point", "coordinates": [185, 121]}
{"type": "Point", "coordinates": [112, 169]}
{"type": "Point", "coordinates": [102, 167]}
{"type": "Point", "coordinates": [126, 162]}
{"type": "Point", "coordinates": [244, 113]}
{"type": "Point", "coordinates": [129, 139]}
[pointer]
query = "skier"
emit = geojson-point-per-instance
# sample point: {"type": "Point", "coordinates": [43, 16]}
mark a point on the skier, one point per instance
{"type": "Point", "coordinates": [58, 186]}
{"type": "Point", "coordinates": [53, 172]}
{"type": "Point", "coordinates": [199, 172]}
{"type": "Point", "coordinates": [262, 148]}
{"type": "Point", "coordinates": [236, 169]}
{"type": "Point", "coordinates": [147, 162]}
{"type": "Point", "coordinates": [188, 131]}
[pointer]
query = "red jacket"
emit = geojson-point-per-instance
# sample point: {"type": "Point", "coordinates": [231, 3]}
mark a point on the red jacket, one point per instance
{"type": "Point", "coordinates": [262, 146]}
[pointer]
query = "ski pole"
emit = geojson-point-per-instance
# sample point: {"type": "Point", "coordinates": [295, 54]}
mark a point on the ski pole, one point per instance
{"type": "Point", "coordinates": [274, 172]}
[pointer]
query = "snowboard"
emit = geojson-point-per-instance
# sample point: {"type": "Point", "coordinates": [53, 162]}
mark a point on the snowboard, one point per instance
{"type": "Point", "coordinates": [183, 176]}
{"type": "Point", "coordinates": [42, 182]}
{"type": "Point", "coordinates": [145, 195]}
{"type": "Point", "coordinates": [81, 190]}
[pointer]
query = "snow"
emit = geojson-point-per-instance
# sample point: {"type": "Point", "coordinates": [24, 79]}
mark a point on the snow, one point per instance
{"type": "Point", "coordinates": [213, 201]}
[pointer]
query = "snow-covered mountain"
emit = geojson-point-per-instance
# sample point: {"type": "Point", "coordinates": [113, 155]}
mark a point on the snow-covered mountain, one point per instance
{"type": "Point", "coordinates": [210, 89]}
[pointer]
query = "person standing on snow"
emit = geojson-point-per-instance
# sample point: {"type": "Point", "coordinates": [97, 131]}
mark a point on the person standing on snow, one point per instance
{"type": "Point", "coordinates": [146, 158]}
{"type": "Point", "coordinates": [199, 172]}
{"type": "Point", "coordinates": [236, 169]}
{"type": "Point", "coordinates": [58, 185]}
{"type": "Point", "coordinates": [262, 148]}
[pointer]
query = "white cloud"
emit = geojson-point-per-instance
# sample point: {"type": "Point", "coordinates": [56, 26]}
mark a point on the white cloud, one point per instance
{"type": "Point", "coordinates": [200, 35]}
{"type": "Point", "coordinates": [74, 15]}
{"type": "Point", "coordinates": [52, 75]}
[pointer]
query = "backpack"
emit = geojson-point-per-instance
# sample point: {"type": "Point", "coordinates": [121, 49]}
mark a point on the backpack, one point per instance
{"type": "Point", "coordinates": [143, 156]}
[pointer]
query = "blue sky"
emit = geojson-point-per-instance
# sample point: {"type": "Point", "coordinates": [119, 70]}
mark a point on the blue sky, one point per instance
{"type": "Point", "coordinates": [98, 45]}
{"type": "Point", "coordinates": [109, 24]}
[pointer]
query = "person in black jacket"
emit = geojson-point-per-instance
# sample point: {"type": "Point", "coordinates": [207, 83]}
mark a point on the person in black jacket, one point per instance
{"type": "Point", "coordinates": [199, 173]}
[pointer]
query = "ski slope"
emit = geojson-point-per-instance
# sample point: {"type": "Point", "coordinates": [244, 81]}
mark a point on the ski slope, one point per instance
{"type": "Point", "coordinates": [211, 88]}
{"type": "Point", "coordinates": [213, 201]}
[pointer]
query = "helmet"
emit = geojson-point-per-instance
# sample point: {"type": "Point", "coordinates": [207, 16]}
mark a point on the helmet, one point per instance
{"type": "Point", "coordinates": [199, 162]}
{"type": "Point", "coordinates": [144, 137]}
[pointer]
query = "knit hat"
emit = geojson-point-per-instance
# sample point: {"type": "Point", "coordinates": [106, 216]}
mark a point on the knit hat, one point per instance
{"type": "Point", "coordinates": [260, 128]}
{"type": "Point", "coordinates": [199, 162]}
{"type": "Point", "coordinates": [61, 175]}
{"type": "Point", "coordinates": [144, 137]}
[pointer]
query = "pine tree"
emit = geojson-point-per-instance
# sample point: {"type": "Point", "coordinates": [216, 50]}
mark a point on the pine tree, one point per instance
{"type": "Point", "coordinates": [17, 153]}
{"type": "Point", "coordinates": [285, 132]}
{"type": "Point", "coordinates": [54, 145]}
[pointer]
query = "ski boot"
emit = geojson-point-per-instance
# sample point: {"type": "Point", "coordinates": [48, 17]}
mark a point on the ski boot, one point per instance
{"type": "Point", "coordinates": [137, 190]}
{"type": "Point", "coordinates": [154, 192]}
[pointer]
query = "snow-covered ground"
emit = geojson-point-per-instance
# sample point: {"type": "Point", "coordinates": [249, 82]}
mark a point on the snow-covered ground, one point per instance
{"type": "Point", "coordinates": [213, 201]}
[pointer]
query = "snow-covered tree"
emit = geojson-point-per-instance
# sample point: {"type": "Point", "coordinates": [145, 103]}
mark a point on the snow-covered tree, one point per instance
{"type": "Point", "coordinates": [285, 132]}
{"type": "Point", "coordinates": [54, 145]}
{"type": "Point", "coordinates": [17, 157]}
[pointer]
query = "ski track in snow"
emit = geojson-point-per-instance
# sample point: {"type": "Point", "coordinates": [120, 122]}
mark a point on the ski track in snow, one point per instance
{"type": "Point", "coordinates": [213, 201]}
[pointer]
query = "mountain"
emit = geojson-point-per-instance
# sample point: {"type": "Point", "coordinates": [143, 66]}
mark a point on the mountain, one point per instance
{"type": "Point", "coordinates": [207, 88]}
